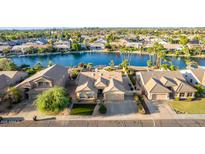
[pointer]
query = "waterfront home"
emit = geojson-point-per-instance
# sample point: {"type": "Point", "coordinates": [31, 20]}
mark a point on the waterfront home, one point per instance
{"type": "Point", "coordinates": [109, 86]}
{"type": "Point", "coordinates": [173, 46]}
{"type": "Point", "coordinates": [10, 78]}
{"type": "Point", "coordinates": [14, 77]}
{"type": "Point", "coordinates": [101, 40]}
{"type": "Point", "coordinates": [55, 75]}
{"type": "Point", "coordinates": [164, 85]}
{"type": "Point", "coordinates": [62, 45]}
{"type": "Point", "coordinates": [23, 47]}
{"type": "Point", "coordinates": [195, 76]}
{"type": "Point", "coordinates": [97, 46]}
{"type": "Point", "coordinates": [4, 84]}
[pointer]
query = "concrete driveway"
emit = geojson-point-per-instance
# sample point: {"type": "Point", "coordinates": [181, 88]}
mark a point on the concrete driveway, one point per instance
{"type": "Point", "coordinates": [161, 109]}
{"type": "Point", "coordinates": [121, 108]}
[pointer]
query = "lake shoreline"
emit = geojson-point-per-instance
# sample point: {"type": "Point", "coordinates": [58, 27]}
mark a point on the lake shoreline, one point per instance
{"type": "Point", "coordinates": [96, 51]}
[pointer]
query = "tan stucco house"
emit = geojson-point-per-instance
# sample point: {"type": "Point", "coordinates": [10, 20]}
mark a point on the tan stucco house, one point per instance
{"type": "Point", "coordinates": [164, 85]}
{"type": "Point", "coordinates": [55, 75]}
{"type": "Point", "coordinates": [101, 84]}
{"type": "Point", "coordinates": [10, 78]}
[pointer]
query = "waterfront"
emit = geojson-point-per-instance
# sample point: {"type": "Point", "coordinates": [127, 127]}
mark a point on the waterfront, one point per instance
{"type": "Point", "coordinates": [96, 58]}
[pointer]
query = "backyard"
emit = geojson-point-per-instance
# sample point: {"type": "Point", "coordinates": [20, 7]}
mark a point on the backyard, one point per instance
{"type": "Point", "coordinates": [82, 109]}
{"type": "Point", "coordinates": [189, 107]}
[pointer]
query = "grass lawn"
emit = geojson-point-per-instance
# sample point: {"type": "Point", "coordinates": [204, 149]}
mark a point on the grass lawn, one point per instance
{"type": "Point", "coordinates": [82, 109]}
{"type": "Point", "coordinates": [190, 107]}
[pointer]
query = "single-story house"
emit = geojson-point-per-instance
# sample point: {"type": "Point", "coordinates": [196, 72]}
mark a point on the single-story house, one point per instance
{"type": "Point", "coordinates": [62, 45]}
{"type": "Point", "coordinates": [195, 76]}
{"type": "Point", "coordinates": [9, 79]}
{"type": "Point", "coordinates": [164, 85]}
{"type": "Point", "coordinates": [100, 84]}
{"type": "Point", "coordinates": [55, 75]}
{"type": "Point", "coordinates": [97, 46]}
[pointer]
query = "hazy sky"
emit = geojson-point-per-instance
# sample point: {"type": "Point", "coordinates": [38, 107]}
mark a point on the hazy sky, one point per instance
{"type": "Point", "coordinates": [102, 13]}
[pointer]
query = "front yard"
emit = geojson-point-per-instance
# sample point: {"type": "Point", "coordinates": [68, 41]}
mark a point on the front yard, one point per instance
{"type": "Point", "coordinates": [189, 107]}
{"type": "Point", "coordinates": [82, 109]}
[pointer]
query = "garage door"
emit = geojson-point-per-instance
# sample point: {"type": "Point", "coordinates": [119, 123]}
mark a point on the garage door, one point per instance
{"type": "Point", "coordinates": [159, 96]}
{"type": "Point", "coordinates": [114, 97]}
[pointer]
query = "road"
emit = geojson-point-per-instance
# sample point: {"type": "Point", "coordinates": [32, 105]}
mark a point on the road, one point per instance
{"type": "Point", "coordinates": [108, 123]}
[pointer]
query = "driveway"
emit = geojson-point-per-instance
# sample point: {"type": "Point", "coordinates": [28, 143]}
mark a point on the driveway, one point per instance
{"type": "Point", "coordinates": [121, 108]}
{"type": "Point", "coordinates": [161, 109]}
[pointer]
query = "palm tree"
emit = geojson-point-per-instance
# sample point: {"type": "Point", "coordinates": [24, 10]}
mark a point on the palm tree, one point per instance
{"type": "Point", "coordinates": [157, 50]}
{"type": "Point", "coordinates": [190, 62]}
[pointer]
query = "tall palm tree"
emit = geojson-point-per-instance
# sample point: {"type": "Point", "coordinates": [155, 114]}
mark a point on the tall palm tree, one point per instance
{"type": "Point", "coordinates": [158, 51]}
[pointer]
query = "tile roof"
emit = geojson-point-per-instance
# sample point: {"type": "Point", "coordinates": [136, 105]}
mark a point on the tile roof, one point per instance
{"type": "Point", "coordinates": [54, 72]}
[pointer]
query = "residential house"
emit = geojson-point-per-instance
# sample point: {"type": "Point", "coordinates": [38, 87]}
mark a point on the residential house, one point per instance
{"type": "Point", "coordinates": [55, 75]}
{"type": "Point", "coordinates": [109, 86]}
{"type": "Point", "coordinates": [164, 85]}
{"type": "Point", "coordinates": [10, 78]}
{"type": "Point", "coordinates": [195, 76]}
{"type": "Point", "coordinates": [173, 46]}
{"type": "Point", "coordinates": [62, 45]}
{"type": "Point", "coordinates": [97, 46]}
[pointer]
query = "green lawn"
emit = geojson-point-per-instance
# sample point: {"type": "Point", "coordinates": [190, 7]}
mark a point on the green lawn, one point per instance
{"type": "Point", "coordinates": [82, 109]}
{"type": "Point", "coordinates": [190, 107]}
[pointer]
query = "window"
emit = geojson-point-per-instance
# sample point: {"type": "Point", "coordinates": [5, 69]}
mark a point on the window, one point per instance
{"type": "Point", "coordinates": [189, 95]}
{"type": "Point", "coordinates": [40, 84]}
{"type": "Point", "coordinates": [181, 95]}
{"type": "Point", "coordinates": [82, 95]}
{"type": "Point", "coordinates": [191, 80]}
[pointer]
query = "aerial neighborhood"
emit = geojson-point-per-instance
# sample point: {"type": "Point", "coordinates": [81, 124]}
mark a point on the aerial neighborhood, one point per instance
{"type": "Point", "coordinates": [117, 88]}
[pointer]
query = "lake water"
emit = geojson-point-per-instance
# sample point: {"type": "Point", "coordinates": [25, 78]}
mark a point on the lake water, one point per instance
{"type": "Point", "coordinates": [96, 58]}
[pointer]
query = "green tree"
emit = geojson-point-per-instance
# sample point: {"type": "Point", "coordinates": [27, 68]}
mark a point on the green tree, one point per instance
{"type": "Point", "coordinates": [200, 90]}
{"type": "Point", "coordinates": [5, 51]}
{"type": "Point", "coordinates": [50, 63]}
{"type": "Point", "coordinates": [183, 40]}
{"type": "Point", "coordinates": [149, 63]}
{"type": "Point", "coordinates": [7, 65]}
{"type": "Point", "coordinates": [13, 96]}
{"type": "Point", "coordinates": [158, 52]}
{"type": "Point", "coordinates": [53, 100]}
{"type": "Point", "coordinates": [38, 67]}
{"type": "Point", "coordinates": [75, 47]}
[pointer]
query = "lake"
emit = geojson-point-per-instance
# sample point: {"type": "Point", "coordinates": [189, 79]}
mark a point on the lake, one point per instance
{"type": "Point", "coordinates": [96, 58]}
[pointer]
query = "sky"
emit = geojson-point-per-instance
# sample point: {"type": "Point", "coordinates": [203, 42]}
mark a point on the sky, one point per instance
{"type": "Point", "coordinates": [102, 13]}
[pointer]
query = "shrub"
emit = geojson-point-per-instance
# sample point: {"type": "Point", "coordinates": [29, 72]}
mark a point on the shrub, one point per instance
{"type": "Point", "coordinates": [75, 74]}
{"type": "Point", "coordinates": [189, 99]}
{"type": "Point", "coordinates": [177, 99]}
{"type": "Point", "coordinates": [136, 98]}
{"type": "Point", "coordinates": [102, 108]}
{"type": "Point", "coordinates": [200, 90]}
{"type": "Point", "coordinates": [140, 108]}
{"type": "Point", "coordinates": [13, 96]}
{"type": "Point", "coordinates": [53, 100]}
